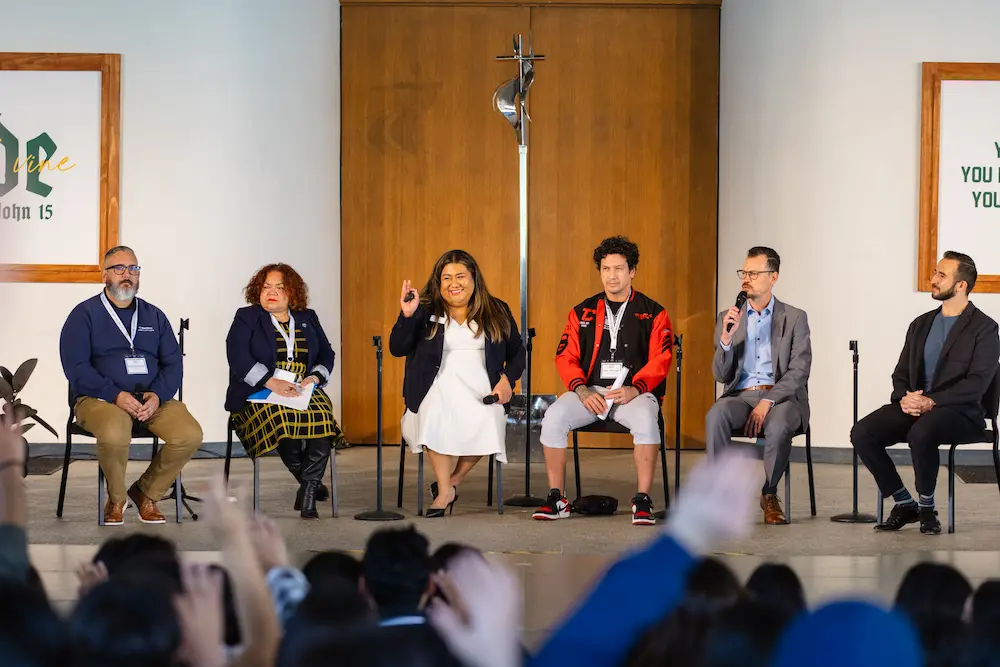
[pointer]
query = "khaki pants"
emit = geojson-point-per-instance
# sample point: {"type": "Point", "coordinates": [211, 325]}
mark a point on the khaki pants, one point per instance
{"type": "Point", "coordinates": [112, 426]}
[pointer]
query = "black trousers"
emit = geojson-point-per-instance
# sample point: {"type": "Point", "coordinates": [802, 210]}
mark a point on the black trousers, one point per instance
{"type": "Point", "coordinates": [889, 425]}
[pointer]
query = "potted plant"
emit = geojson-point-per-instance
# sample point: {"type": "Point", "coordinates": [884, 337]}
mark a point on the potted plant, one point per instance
{"type": "Point", "coordinates": [11, 384]}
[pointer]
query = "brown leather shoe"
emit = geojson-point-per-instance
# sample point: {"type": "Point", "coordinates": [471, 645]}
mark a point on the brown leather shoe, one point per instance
{"type": "Point", "coordinates": [148, 513]}
{"type": "Point", "coordinates": [113, 513]}
{"type": "Point", "coordinates": [773, 516]}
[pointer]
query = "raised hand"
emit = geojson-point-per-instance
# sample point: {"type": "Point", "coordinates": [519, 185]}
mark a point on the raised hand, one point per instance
{"type": "Point", "coordinates": [408, 307]}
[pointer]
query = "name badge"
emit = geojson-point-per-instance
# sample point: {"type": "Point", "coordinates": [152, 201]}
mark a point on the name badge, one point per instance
{"type": "Point", "coordinates": [136, 365]}
{"type": "Point", "coordinates": [610, 370]}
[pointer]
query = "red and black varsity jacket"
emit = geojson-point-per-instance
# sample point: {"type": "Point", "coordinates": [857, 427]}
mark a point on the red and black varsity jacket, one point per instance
{"type": "Point", "coordinates": [646, 334]}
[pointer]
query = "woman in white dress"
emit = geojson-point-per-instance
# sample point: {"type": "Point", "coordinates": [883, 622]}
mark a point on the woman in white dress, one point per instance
{"type": "Point", "coordinates": [461, 346]}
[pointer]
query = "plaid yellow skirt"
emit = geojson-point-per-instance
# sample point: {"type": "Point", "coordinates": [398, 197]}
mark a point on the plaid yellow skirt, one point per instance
{"type": "Point", "coordinates": [260, 426]}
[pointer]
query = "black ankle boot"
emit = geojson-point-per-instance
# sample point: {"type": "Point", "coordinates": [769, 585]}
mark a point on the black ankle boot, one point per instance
{"type": "Point", "coordinates": [314, 462]}
{"type": "Point", "coordinates": [292, 455]}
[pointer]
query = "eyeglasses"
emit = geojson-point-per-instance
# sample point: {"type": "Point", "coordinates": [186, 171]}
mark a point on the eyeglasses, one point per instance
{"type": "Point", "coordinates": [120, 269]}
{"type": "Point", "coordinates": [752, 275]}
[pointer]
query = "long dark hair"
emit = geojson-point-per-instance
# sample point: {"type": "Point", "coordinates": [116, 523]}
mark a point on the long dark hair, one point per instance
{"type": "Point", "coordinates": [486, 311]}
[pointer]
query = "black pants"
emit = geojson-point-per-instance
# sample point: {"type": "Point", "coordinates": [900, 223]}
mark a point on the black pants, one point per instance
{"type": "Point", "coordinates": [890, 425]}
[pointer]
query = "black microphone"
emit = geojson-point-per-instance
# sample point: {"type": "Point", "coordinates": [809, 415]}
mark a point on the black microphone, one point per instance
{"type": "Point", "coordinates": [491, 399]}
{"type": "Point", "coordinates": [741, 299]}
{"type": "Point", "coordinates": [410, 296]}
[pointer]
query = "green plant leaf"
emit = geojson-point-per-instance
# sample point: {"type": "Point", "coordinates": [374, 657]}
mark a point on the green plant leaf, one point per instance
{"type": "Point", "coordinates": [44, 424]}
{"type": "Point", "coordinates": [6, 390]}
{"type": "Point", "coordinates": [23, 373]}
{"type": "Point", "coordinates": [6, 375]}
{"type": "Point", "coordinates": [26, 427]}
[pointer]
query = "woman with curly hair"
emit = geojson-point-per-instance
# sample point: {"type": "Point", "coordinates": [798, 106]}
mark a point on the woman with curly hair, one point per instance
{"type": "Point", "coordinates": [461, 345]}
{"type": "Point", "coordinates": [277, 343]}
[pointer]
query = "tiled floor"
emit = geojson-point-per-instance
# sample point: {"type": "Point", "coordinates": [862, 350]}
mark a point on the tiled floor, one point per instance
{"type": "Point", "coordinates": [555, 562]}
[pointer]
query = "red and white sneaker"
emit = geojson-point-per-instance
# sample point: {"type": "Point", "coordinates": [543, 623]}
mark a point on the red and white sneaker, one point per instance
{"type": "Point", "coordinates": [642, 510]}
{"type": "Point", "coordinates": [556, 507]}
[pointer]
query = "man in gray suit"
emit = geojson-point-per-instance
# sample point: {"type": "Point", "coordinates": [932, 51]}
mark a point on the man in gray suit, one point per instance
{"type": "Point", "coordinates": [762, 356]}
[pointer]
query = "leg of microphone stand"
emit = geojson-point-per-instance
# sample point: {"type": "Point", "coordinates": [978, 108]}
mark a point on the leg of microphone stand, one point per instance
{"type": "Point", "coordinates": [854, 516]}
{"type": "Point", "coordinates": [378, 514]}
{"type": "Point", "coordinates": [527, 500]}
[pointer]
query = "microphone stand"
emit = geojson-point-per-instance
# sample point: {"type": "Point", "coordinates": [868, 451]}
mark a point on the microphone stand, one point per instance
{"type": "Point", "coordinates": [527, 500]}
{"type": "Point", "coordinates": [378, 514]}
{"type": "Point", "coordinates": [185, 325]}
{"type": "Point", "coordinates": [854, 516]}
{"type": "Point", "coordinates": [678, 343]}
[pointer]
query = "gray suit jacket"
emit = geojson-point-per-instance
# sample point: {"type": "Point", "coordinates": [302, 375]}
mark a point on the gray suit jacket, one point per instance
{"type": "Point", "coordinates": [791, 356]}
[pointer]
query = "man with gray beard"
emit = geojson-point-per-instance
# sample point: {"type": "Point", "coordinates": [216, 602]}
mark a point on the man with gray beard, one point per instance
{"type": "Point", "coordinates": [123, 365]}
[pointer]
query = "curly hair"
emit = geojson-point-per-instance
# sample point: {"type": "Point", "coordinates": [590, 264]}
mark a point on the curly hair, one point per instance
{"type": "Point", "coordinates": [617, 245]}
{"type": "Point", "coordinates": [298, 291]}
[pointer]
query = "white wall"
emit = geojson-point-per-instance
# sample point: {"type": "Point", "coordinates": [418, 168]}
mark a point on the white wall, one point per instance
{"type": "Point", "coordinates": [230, 159]}
{"type": "Point", "coordinates": [819, 158]}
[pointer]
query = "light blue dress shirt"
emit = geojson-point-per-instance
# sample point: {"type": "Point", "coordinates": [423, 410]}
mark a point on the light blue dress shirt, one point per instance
{"type": "Point", "coordinates": [757, 368]}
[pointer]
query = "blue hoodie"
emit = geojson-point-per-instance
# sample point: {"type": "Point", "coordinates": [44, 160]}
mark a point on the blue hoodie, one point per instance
{"type": "Point", "coordinates": [93, 350]}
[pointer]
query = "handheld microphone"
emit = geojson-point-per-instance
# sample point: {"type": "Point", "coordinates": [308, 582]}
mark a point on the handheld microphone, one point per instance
{"type": "Point", "coordinates": [741, 299]}
{"type": "Point", "coordinates": [491, 399]}
{"type": "Point", "coordinates": [409, 297]}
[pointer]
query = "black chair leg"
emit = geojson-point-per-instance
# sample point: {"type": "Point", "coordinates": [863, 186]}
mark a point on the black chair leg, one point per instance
{"type": "Point", "coordinates": [179, 494]}
{"type": "Point", "coordinates": [499, 467]}
{"type": "Point", "coordinates": [65, 472]}
{"type": "Point", "coordinates": [420, 484]}
{"type": "Point", "coordinates": [879, 508]}
{"type": "Point", "coordinates": [402, 463]}
{"type": "Point", "coordinates": [100, 496]}
{"type": "Point", "coordinates": [489, 482]}
{"type": "Point", "coordinates": [663, 466]}
{"type": "Point", "coordinates": [333, 482]}
{"type": "Point", "coordinates": [788, 492]}
{"type": "Point", "coordinates": [576, 463]}
{"type": "Point", "coordinates": [809, 469]}
{"type": "Point", "coordinates": [256, 486]}
{"type": "Point", "coordinates": [951, 489]}
{"type": "Point", "coordinates": [996, 459]}
{"type": "Point", "coordinates": [229, 451]}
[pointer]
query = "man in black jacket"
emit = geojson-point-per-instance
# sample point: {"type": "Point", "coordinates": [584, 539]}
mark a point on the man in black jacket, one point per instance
{"type": "Point", "coordinates": [948, 362]}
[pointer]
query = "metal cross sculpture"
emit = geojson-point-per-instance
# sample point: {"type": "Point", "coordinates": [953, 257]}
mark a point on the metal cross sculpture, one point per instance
{"type": "Point", "coordinates": [511, 100]}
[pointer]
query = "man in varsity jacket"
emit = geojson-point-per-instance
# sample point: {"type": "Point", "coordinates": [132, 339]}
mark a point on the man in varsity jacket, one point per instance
{"type": "Point", "coordinates": [123, 365]}
{"type": "Point", "coordinates": [613, 357]}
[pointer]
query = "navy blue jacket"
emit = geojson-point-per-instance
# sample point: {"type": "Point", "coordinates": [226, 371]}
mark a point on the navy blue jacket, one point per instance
{"type": "Point", "coordinates": [252, 349]}
{"type": "Point", "coordinates": [423, 357]}
{"type": "Point", "coordinates": [93, 350]}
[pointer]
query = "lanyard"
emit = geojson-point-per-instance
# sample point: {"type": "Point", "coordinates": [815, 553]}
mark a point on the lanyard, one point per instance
{"type": "Point", "coordinates": [615, 321]}
{"type": "Point", "coordinates": [289, 337]}
{"type": "Point", "coordinates": [118, 322]}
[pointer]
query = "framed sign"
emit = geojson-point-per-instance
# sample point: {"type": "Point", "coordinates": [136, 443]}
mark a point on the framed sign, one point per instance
{"type": "Point", "coordinates": [59, 165]}
{"type": "Point", "coordinates": [960, 169]}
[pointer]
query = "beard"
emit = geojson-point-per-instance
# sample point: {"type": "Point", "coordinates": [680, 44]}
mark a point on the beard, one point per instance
{"type": "Point", "coordinates": [944, 295]}
{"type": "Point", "coordinates": [124, 291]}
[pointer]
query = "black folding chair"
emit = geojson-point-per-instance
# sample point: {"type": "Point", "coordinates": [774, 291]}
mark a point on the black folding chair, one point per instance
{"type": "Point", "coordinates": [759, 440]}
{"type": "Point", "coordinates": [991, 406]}
{"type": "Point", "coordinates": [494, 463]}
{"type": "Point", "coordinates": [256, 471]}
{"type": "Point", "coordinates": [138, 432]}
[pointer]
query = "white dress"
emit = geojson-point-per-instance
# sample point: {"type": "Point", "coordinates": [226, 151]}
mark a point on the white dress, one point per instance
{"type": "Point", "coordinates": [452, 419]}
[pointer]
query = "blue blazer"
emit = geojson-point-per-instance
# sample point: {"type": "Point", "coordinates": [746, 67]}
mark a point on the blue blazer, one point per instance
{"type": "Point", "coordinates": [252, 349]}
{"type": "Point", "coordinates": [423, 357]}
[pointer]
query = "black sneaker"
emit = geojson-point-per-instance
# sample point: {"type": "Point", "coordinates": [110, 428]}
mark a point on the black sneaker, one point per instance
{"type": "Point", "coordinates": [556, 507]}
{"type": "Point", "coordinates": [899, 517]}
{"type": "Point", "coordinates": [642, 510]}
{"type": "Point", "coordinates": [929, 524]}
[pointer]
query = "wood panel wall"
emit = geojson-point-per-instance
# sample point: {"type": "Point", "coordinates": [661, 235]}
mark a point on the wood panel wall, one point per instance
{"type": "Point", "coordinates": [624, 141]}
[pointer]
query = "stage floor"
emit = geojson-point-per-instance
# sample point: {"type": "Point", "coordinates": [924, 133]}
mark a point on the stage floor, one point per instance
{"type": "Point", "coordinates": [555, 561]}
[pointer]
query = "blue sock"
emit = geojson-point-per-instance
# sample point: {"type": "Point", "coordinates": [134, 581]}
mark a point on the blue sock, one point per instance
{"type": "Point", "coordinates": [903, 497]}
{"type": "Point", "coordinates": [926, 501]}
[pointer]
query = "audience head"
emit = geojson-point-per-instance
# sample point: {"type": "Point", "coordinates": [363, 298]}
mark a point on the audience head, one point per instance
{"type": "Point", "coordinates": [121, 273]}
{"type": "Point", "coordinates": [776, 586]}
{"type": "Point", "coordinates": [954, 275]}
{"type": "Point", "coordinates": [616, 259]}
{"type": "Point", "coordinates": [278, 288]}
{"type": "Point", "coordinates": [445, 553]}
{"type": "Point", "coordinates": [374, 646]}
{"type": "Point", "coordinates": [743, 635]}
{"type": "Point", "coordinates": [116, 551]}
{"type": "Point", "coordinates": [396, 571]}
{"type": "Point", "coordinates": [986, 605]}
{"type": "Point", "coordinates": [932, 591]}
{"type": "Point", "coordinates": [760, 271]}
{"type": "Point", "coordinates": [127, 620]}
{"type": "Point", "coordinates": [853, 633]}
{"type": "Point", "coordinates": [455, 283]}
{"type": "Point", "coordinates": [332, 565]}
{"type": "Point", "coordinates": [983, 639]}
{"type": "Point", "coordinates": [331, 603]}
{"type": "Point", "coordinates": [31, 633]}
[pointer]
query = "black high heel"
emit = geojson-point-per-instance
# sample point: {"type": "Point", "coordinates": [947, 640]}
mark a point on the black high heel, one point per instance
{"type": "Point", "coordinates": [438, 512]}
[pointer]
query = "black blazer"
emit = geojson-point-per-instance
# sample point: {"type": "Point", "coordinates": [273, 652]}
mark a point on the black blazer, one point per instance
{"type": "Point", "coordinates": [252, 349]}
{"type": "Point", "coordinates": [423, 357]}
{"type": "Point", "coordinates": [965, 368]}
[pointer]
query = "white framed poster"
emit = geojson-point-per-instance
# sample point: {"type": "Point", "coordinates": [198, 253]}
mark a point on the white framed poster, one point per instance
{"type": "Point", "coordinates": [59, 165]}
{"type": "Point", "coordinates": [960, 169]}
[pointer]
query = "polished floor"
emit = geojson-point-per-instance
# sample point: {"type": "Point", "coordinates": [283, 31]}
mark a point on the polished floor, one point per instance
{"type": "Point", "coordinates": [555, 561]}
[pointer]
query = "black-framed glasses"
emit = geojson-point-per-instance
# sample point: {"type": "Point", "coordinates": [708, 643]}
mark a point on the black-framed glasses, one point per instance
{"type": "Point", "coordinates": [120, 269]}
{"type": "Point", "coordinates": [752, 275]}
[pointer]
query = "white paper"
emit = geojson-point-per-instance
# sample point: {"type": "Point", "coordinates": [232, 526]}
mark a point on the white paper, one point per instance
{"type": "Point", "coordinates": [300, 402]}
{"type": "Point", "coordinates": [619, 381]}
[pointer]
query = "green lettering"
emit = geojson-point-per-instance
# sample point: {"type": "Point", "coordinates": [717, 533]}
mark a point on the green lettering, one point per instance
{"type": "Point", "coordinates": [43, 142]}
{"type": "Point", "coordinates": [10, 147]}
{"type": "Point", "coordinates": [965, 173]}
{"type": "Point", "coordinates": [976, 196]}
